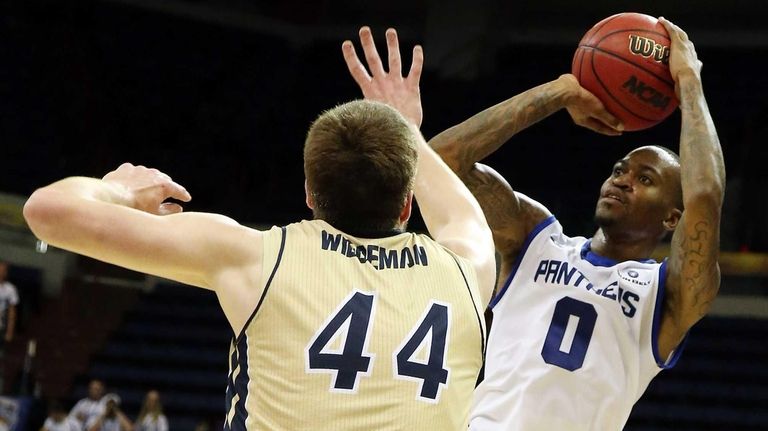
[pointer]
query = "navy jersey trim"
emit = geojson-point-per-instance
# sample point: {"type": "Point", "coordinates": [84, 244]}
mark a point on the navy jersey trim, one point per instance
{"type": "Point", "coordinates": [597, 260]}
{"type": "Point", "coordinates": [237, 384]}
{"type": "Point", "coordinates": [528, 239]}
{"type": "Point", "coordinates": [474, 305]}
{"type": "Point", "coordinates": [661, 362]}
{"type": "Point", "coordinates": [283, 234]}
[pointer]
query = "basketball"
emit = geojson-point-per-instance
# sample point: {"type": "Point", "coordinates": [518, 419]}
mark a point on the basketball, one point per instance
{"type": "Point", "coordinates": [624, 61]}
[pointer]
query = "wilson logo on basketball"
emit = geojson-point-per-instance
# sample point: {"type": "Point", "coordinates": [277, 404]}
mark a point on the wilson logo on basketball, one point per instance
{"type": "Point", "coordinates": [647, 48]}
{"type": "Point", "coordinates": [646, 93]}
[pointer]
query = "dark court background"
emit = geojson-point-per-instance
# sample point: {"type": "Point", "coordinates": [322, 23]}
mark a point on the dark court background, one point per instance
{"type": "Point", "coordinates": [219, 94]}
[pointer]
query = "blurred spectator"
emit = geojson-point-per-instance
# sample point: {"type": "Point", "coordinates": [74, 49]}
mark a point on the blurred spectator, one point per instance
{"type": "Point", "coordinates": [90, 406]}
{"type": "Point", "coordinates": [58, 420]}
{"type": "Point", "coordinates": [151, 417]}
{"type": "Point", "coordinates": [112, 418]}
{"type": "Point", "coordinates": [9, 299]}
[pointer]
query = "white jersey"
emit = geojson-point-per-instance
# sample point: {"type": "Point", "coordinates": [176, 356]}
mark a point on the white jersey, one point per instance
{"type": "Point", "coordinates": [573, 344]}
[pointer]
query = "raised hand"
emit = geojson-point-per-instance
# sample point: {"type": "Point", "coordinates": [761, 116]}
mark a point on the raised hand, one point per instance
{"type": "Point", "coordinates": [588, 111]}
{"type": "Point", "coordinates": [683, 60]}
{"type": "Point", "coordinates": [402, 93]}
{"type": "Point", "coordinates": [146, 189]}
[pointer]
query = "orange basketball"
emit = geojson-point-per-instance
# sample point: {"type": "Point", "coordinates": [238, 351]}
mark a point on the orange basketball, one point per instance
{"type": "Point", "coordinates": [624, 61]}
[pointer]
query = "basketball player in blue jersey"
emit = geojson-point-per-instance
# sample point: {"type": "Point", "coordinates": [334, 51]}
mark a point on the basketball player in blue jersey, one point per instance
{"type": "Point", "coordinates": [581, 326]}
{"type": "Point", "coordinates": [345, 322]}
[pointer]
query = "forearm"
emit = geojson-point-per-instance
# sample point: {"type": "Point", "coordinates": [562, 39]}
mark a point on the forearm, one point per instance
{"type": "Point", "coordinates": [701, 158]}
{"type": "Point", "coordinates": [479, 136]}
{"type": "Point", "coordinates": [443, 199]}
{"type": "Point", "coordinates": [51, 208]}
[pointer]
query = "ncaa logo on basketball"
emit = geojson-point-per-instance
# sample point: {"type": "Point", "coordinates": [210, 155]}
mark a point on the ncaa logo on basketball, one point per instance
{"type": "Point", "coordinates": [646, 47]}
{"type": "Point", "coordinates": [646, 93]}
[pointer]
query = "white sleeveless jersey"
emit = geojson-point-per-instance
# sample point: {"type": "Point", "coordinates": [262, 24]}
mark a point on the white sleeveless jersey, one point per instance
{"type": "Point", "coordinates": [573, 344]}
{"type": "Point", "coordinates": [357, 334]}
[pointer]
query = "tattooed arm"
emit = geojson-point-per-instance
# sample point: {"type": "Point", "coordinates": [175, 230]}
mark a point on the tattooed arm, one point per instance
{"type": "Point", "coordinates": [693, 278]}
{"type": "Point", "coordinates": [513, 215]}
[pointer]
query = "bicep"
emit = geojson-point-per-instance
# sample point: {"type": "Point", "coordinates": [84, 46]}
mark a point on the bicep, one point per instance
{"type": "Point", "coordinates": [510, 215]}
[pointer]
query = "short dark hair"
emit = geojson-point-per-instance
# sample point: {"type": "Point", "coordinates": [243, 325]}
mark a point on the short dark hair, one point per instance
{"type": "Point", "coordinates": [359, 162]}
{"type": "Point", "coordinates": [678, 198]}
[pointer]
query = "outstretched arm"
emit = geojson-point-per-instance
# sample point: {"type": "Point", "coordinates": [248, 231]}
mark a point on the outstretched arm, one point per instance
{"type": "Point", "coordinates": [122, 219]}
{"type": "Point", "coordinates": [452, 215]}
{"type": "Point", "coordinates": [512, 215]}
{"type": "Point", "coordinates": [482, 134]}
{"type": "Point", "coordinates": [693, 278]}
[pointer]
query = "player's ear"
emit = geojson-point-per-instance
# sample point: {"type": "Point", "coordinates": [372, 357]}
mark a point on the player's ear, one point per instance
{"type": "Point", "coordinates": [673, 218]}
{"type": "Point", "coordinates": [309, 200]}
{"type": "Point", "coordinates": [405, 214]}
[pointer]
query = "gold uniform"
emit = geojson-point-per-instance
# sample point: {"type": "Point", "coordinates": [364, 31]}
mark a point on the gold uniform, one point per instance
{"type": "Point", "coordinates": [357, 334]}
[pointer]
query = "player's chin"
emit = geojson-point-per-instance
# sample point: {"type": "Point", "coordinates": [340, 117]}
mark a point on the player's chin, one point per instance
{"type": "Point", "coordinates": [605, 217]}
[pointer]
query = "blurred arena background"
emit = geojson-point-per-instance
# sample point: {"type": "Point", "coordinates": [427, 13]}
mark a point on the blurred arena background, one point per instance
{"type": "Point", "coordinates": [219, 95]}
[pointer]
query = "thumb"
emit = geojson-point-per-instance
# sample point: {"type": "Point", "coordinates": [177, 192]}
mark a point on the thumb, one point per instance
{"type": "Point", "coordinates": [167, 208]}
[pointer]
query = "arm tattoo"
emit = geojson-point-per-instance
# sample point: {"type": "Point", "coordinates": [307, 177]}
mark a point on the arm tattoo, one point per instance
{"type": "Point", "coordinates": [699, 257]}
{"type": "Point", "coordinates": [498, 201]}
{"type": "Point", "coordinates": [482, 134]}
{"type": "Point", "coordinates": [703, 181]}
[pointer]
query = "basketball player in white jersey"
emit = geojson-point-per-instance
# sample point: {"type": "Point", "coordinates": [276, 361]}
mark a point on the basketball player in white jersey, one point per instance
{"type": "Point", "coordinates": [581, 326]}
{"type": "Point", "coordinates": [345, 322]}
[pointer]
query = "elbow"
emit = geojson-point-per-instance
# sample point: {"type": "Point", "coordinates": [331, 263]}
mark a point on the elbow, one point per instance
{"type": "Point", "coordinates": [709, 194]}
{"type": "Point", "coordinates": [450, 155]}
{"type": "Point", "coordinates": [40, 213]}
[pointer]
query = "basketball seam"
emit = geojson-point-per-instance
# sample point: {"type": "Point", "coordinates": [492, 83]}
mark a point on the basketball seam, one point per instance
{"type": "Point", "coordinates": [604, 24]}
{"type": "Point", "coordinates": [608, 92]}
{"type": "Point", "coordinates": [578, 64]}
{"type": "Point", "coordinates": [612, 54]}
{"type": "Point", "coordinates": [634, 29]}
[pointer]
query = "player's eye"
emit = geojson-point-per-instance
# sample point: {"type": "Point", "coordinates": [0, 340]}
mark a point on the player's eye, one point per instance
{"type": "Point", "coordinates": [646, 180]}
{"type": "Point", "coordinates": [617, 171]}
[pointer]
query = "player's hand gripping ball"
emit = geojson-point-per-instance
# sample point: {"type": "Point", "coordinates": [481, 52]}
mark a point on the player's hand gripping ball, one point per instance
{"type": "Point", "coordinates": [624, 61]}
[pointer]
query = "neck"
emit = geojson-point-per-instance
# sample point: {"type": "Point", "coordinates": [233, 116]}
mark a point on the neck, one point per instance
{"type": "Point", "coordinates": [621, 247]}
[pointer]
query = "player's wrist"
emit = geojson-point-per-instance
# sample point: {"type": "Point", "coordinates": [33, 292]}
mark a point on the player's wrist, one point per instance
{"type": "Point", "coordinates": [690, 88]}
{"type": "Point", "coordinates": [119, 194]}
{"type": "Point", "coordinates": [567, 89]}
{"type": "Point", "coordinates": [689, 77]}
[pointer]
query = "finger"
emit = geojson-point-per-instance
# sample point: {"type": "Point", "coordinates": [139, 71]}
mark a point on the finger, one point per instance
{"type": "Point", "coordinates": [371, 55]}
{"type": "Point", "coordinates": [174, 190]}
{"type": "Point", "coordinates": [608, 119]}
{"type": "Point", "coordinates": [416, 65]}
{"type": "Point", "coordinates": [600, 127]}
{"type": "Point", "coordinates": [673, 29]}
{"type": "Point", "coordinates": [356, 68]}
{"type": "Point", "coordinates": [161, 174]}
{"type": "Point", "coordinates": [167, 208]}
{"type": "Point", "coordinates": [393, 50]}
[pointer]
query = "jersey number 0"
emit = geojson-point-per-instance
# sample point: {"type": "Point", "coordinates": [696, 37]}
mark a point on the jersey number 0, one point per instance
{"type": "Point", "coordinates": [569, 334]}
